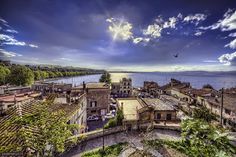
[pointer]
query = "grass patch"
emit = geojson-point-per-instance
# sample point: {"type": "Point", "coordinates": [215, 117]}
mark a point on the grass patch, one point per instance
{"type": "Point", "coordinates": [110, 151]}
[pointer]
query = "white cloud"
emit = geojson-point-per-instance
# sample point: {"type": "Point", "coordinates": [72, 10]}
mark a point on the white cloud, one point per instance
{"type": "Point", "coordinates": [171, 23]}
{"type": "Point", "coordinates": [232, 44]}
{"type": "Point", "coordinates": [120, 29]}
{"type": "Point", "coordinates": [9, 40]}
{"type": "Point", "coordinates": [4, 53]}
{"type": "Point", "coordinates": [140, 39]}
{"type": "Point", "coordinates": [198, 33]}
{"type": "Point", "coordinates": [153, 30]}
{"type": "Point", "coordinates": [32, 45]}
{"type": "Point", "coordinates": [180, 16]}
{"type": "Point", "coordinates": [228, 22]}
{"type": "Point", "coordinates": [232, 34]}
{"type": "Point", "coordinates": [11, 31]}
{"type": "Point", "coordinates": [228, 59]}
{"type": "Point", "coordinates": [3, 21]}
{"type": "Point", "coordinates": [195, 19]}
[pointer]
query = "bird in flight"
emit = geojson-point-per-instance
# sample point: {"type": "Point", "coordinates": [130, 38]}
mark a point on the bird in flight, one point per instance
{"type": "Point", "coordinates": [176, 55]}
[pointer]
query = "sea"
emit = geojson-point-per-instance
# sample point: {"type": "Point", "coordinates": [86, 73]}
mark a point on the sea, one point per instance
{"type": "Point", "coordinates": [197, 79]}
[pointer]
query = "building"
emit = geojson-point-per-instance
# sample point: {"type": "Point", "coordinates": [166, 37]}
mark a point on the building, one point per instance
{"type": "Point", "coordinates": [139, 113]}
{"type": "Point", "coordinates": [52, 87]}
{"type": "Point", "coordinates": [122, 88]}
{"type": "Point", "coordinates": [163, 111]}
{"type": "Point", "coordinates": [213, 103]}
{"type": "Point", "coordinates": [75, 113]}
{"type": "Point", "coordinates": [75, 108]}
{"type": "Point", "coordinates": [5, 89]}
{"type": "Point", "coordinates": [98, 97]}
{"type": "Point", "coordinates": [8, 101]}
{"type": "Point", "coordinates": [152, 88]}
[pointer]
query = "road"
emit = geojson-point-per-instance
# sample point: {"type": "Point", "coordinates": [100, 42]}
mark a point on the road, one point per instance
{"type": "Point", "coordinates": [133, 138]}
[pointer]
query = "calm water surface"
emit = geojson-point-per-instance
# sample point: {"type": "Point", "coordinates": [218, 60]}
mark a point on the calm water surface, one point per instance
{"type": "Point", "coordinates": [196, 80]}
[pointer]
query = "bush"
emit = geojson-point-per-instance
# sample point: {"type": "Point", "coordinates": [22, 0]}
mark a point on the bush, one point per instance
{"type": "Point", "coordinates": [109, 151]}
{"type": "Point", "coordinates": [111, 123]}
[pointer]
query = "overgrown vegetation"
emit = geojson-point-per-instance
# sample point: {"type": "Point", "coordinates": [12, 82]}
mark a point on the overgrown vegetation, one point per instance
{"type": "Point", "coordinates": [117, 121]}
{"type": "Point", "coordinates": [110, 151]}
{"type": "Point", "coordinates": [106, 78]}
{"type": "Point", "coordinates": [204, 114]}
{"type": "Point", "coordinates": [43, 132]}
{"type": "Point", "coordinates": [207, 86]}
{"type": "Point", "coordinates": [199, 139]}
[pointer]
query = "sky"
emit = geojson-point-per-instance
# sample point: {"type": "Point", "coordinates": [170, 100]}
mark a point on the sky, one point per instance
{"type": "Point", "coordinates": [131, 35]}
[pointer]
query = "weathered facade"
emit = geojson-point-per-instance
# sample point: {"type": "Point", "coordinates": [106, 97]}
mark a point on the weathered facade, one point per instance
{"type": "Point", "coordinates": [122, 88]}
{"type": "Point", "coordinates": [52, 87]}
{"type": "Point", "coordinates": [98, 97]}
{"type": "Point", "coordinates": [142, 112]}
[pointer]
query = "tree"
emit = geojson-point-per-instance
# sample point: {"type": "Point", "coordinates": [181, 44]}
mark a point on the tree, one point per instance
{"type": "Point", "coordinates": [203, 139]}
{"type": "Point", "coordinates": [207, 86]}
{"type": "Point", "coordinates": [21, 75]}
{"type": "Point", "coordinates": [45, 132]}
{"type": "Point", "coordinates": [51, 74]}
{"type": "Point", "coordinates": [204, 114]}
{"type": "Point", "coordinates": [37, 75]}
{"type": "Point", "coordinates": [106, 77]}
{"type": "Point", "coordinates": [4, 74]}
{"type": "Point", "coordinates": [44, 74]}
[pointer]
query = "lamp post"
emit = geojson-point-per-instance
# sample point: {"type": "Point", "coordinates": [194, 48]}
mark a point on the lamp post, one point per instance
{"type": "Point", "coordinates": [103, 147]}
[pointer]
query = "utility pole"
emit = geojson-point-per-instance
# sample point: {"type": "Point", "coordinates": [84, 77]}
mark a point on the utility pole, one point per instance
{"type": "Point", "coordinates": [221, 107]}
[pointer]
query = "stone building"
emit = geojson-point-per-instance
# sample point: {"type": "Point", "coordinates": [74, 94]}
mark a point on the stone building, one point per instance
{"type": "Point", "coordinates": [75, 108]}
{"type": "Point", "coordinates": [152, 88]}
{"type": "Point", "coordinates": [98, 97]}
{"type": "Point", "coordinates": [52, 87]}
{"type": "Point", "coordinates": [9, 101]}
{"type": "Point", "coordinates": [122, 88]}
{"type": "Point", "coordinates": [139, 113]}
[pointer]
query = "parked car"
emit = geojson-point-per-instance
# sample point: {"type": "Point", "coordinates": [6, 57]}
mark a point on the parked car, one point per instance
{"type": "Point", "coordinates": [109, 116]}
{"type": "Point", "coordinates": [92, 118]}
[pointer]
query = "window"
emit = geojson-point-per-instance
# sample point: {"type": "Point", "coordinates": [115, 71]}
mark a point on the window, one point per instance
{"type": "Point", "coordinates": [93, 111]}
{"type": "Point", "coordinates": [158, 116]}
{"type": "Point", "coordinates": [168, 116]}
{"type": "Point", "coordinates": [227, 111]}
{"type": "Point", "coordinates": [93, 104]}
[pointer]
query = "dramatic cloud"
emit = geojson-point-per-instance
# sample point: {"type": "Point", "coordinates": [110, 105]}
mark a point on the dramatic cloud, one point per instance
{"type": "Point", "coordinates": [171, 23]}
{"type": "Point", "coordinates": [6, 39]}
{"type": "Point", "coordinates": [8, 54]}
{"type": "Point", "coordinates": [228, 59]}
{"type": "Point", "coordinates": [195, 19]}
{"type": "Point", "coordinates": [9, 40]}
{"type": "Point", "coordinates": [228, 22]}
{"type": "Point", "coordinates": [120, 29]}
{"type": "Point", "coordinates": [232, 44]}
{"type": "Point", "coordinates": [153, 30]}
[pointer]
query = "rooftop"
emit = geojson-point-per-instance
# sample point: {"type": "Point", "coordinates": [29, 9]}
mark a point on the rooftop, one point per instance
{"type": "Point", "coordinates": [94, 85]}
{"type": "Point", "coordinates": [158, 104]}
{"type": "Point", "coordinates": [130, 107]}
